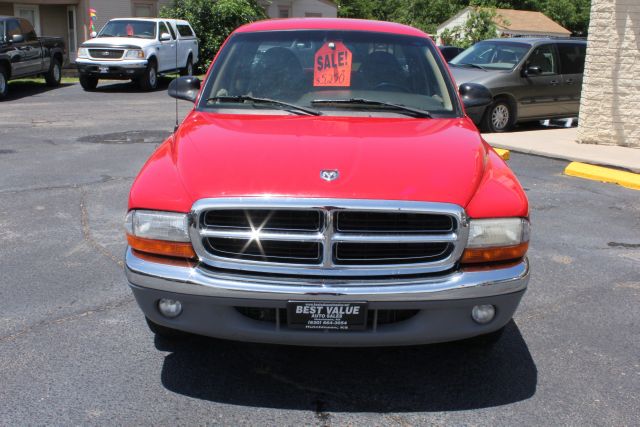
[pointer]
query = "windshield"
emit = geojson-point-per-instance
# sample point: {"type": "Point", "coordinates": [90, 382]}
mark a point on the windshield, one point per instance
{"type": "Point", "coordinates": [492, 55]}
{"type": "Point", "coordinates": [129, 28]}
{"type": "Point", "coordinates": [326, 71]}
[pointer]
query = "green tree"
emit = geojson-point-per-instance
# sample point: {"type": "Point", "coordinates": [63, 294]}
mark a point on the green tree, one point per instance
{"type": "Point", "coordinates": [480, 25]}
{"type": "Point", "coordinates": [213, 21]}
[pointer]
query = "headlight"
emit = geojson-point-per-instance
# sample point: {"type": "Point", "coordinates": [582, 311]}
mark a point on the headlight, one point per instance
{"type": "Point", "coordinates": [499, 239]}
{"type": "Point", "coordinates": [135, 54]}
{"type": "Point", "coordinates": [160, 233]}
{"type": "Point", "coordinates": [83, 52]}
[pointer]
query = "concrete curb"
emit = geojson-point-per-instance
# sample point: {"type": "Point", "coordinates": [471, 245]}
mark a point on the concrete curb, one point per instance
{"type": "Point", "coordinates": [599, 173]}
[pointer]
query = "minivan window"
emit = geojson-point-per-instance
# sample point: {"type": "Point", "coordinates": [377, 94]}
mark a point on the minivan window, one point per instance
{"type": "Point", "coordinates": [572, 57]}
{"type": "Point", "coordinates": [544, 58]}
{"type": "Point", "coordinates": [492, 55]}
{"type": "Point", "coordinates": [311, 68]}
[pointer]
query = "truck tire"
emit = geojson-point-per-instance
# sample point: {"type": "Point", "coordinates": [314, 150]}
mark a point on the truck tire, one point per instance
{"type": "Point", "coordinates": [149, 80]}
{"type": "Point", "coordinates": [4, 82]}
{"type": "Point", "coordinates": [188, 69]}
{"type": "Point", "coordinates": [88, 83]}
{"type": "Point", "coordinates": [164, 332]}
{"type": "Point", "coordinates": [54, 75]}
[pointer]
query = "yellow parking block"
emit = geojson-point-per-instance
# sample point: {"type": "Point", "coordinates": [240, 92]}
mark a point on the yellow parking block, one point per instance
{"type": "Point", "coordinates": [502, 153]}
{"type": "Point", "coordinates": [599, 173]}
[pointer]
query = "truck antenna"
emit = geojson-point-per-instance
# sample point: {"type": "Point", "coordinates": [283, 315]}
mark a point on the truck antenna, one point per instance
{"type": "Point", "coordinates": [176, 46]}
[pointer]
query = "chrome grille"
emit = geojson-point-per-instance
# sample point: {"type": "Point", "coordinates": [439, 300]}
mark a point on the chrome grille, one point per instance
{"type": "Point", "coordinates": [328, 237]}
{"type": "Point", "coordinates": [106, 53]}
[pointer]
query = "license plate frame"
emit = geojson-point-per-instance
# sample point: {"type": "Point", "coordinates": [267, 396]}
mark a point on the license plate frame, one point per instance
{"type": "Point", "coordinates": [327, 315]}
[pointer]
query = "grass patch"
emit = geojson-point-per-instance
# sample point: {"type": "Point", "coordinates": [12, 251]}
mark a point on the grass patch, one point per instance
{"type": "Point", "coordinates": [40, 80]}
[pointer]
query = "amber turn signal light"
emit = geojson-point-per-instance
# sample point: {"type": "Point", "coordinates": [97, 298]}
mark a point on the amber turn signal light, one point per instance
{"type": "Point", "coordinates": [161, 247]}
{"type": "Point", "coordinates": [501, 253]}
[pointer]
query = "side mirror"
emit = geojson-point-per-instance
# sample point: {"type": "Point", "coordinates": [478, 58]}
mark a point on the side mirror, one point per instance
{"type": "Point", "coordinates": [185, 88]}
{"type": "Point", "coordinates": [475, 95]}
{"type": "Point", "coordinates": [93, 35]}
{"type": "Point", "coordinates": [17, 38]}
{"type": "Point", "coordinates": [165, 37]}
{"type": "Point", "coordinates": [532, 70]}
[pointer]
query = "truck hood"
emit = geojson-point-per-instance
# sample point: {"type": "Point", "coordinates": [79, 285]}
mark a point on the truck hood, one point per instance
{"type": "Point", "coordinates": [438, 160]}
{"type": "Point", "coordinates": [122, 42]}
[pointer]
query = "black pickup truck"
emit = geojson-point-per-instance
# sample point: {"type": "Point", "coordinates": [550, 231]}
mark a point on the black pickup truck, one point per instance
{"type": "Point", "coordinates": [24, 54]}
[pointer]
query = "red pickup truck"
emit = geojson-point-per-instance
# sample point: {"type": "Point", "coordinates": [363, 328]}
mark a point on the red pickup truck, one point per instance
{"type": "Point", "coordinates": [328, 189]}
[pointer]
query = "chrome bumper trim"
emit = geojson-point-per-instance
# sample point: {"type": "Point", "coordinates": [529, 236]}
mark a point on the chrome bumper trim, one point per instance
{"type": "Point", "coordinates": [204, 282]}
{"type": "Point", "coordinates": [123, 63]}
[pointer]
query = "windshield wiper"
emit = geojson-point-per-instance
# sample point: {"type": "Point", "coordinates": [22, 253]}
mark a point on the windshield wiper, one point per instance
{"type": "Point", "coordinates": [248, 98]}
{"type": "Point", "coordinates": [469, 64]}
{"type": "Point", "coordinates": [361, 101]}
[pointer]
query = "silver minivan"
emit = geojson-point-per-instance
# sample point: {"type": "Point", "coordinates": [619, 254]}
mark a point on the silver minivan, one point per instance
{"type": "Point", "coordinates": [530, 79]}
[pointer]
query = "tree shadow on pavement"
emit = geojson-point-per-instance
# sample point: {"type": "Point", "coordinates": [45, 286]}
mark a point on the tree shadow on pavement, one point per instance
{"type": "Point", "coordinates": [117, 86]}
{"type": "Point", "coordinates": [443, 377]}
{"type": "Point", "coordinates": [23, 89]}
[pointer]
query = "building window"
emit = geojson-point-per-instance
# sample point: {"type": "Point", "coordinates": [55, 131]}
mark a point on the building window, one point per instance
{"type": "Point", "coordinates": [144, 10]}
{"type": "Point", "coordinates": [284, 12]}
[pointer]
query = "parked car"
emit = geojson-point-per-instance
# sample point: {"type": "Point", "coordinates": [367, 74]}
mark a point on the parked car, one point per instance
{"type": "Point", "coordinates": [450, 52]}
{"type": "Point", "coordinates": [24, 54]}
{"type": "Point", "coordinates": [529, 78]}
{"type": "Point", "coordinates": [138, 49]}
{"type": "Point", "coordinates": [335, 199]}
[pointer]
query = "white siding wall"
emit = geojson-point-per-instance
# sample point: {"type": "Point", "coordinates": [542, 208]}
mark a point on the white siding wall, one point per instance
{"type": "Point", "coordinates": [609, 109]}
{"type": "Point", "coordinates": [298, 8]}
{"type": "Point", "coordinates": [459, 21]}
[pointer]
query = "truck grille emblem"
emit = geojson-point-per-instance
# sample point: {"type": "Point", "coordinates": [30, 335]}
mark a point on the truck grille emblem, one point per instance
{"type": "Point", "coordinates": [329, 175]}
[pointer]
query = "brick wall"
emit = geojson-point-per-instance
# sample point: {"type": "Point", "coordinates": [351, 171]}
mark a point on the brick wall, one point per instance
{"type": "Point", "coordinates": [610, 105]}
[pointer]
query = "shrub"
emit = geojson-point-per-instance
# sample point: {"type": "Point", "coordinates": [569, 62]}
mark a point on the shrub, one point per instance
{"type": "Point", "coordinates": [213, 21]}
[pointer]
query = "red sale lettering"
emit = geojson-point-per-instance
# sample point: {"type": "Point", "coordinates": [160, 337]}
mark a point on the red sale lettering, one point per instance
{"type": "Point", "coordinates": [333, 65]}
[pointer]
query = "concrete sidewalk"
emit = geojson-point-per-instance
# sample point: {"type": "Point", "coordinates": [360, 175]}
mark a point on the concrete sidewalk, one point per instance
{"type": "Point", "coordinates": [561, 144]}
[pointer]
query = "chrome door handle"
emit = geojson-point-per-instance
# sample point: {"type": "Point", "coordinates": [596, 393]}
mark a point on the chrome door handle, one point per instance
{"type": "Point", "coordinates": [553, 83]}
{"type": "Point", "coordinates": [569, 81]}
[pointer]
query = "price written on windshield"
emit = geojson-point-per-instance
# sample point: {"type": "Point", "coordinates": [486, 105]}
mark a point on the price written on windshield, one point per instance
{"type": "Point", "coordinates": [332, 65]}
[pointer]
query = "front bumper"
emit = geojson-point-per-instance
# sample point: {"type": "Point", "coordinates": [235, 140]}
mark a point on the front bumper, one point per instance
{"type": "Point", "coordinates": [211, 299]}
{"type": "Point", "coordinates": [125, 69]}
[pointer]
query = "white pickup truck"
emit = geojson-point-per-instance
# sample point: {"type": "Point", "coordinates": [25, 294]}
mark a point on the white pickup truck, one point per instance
{"type": "Point", "coordinates": [138, 49]}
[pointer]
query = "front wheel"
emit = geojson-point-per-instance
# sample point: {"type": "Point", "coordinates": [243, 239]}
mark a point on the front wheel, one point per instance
{"type": "Point", "coordinates": [499, 117]}
{"type": "Point", "coordinates": [4, 83]}
{"type": "Point", "coordinates": [88, 83]}
{"type": "Point", "coordinates": [149, 80]}
{"type": "Point", "coordinates": [54, 75]}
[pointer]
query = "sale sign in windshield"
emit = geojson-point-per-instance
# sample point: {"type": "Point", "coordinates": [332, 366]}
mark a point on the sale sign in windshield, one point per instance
{"type": "Point", "coordinates": [332, 65]}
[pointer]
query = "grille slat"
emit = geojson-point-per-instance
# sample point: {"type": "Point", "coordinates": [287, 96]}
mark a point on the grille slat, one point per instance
{"type": "Point", "coordinates": [264, 220]}
{"type": "Point", "coordinates": [106, 53]}
{"type": "Point", "coordinates": [328, 237]}
{"type": "Point", "coordinates": [393, 222]}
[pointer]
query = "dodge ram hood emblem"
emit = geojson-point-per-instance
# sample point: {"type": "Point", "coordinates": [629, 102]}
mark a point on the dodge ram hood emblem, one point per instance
{"type": "Point", "coordinates": [329, 175]}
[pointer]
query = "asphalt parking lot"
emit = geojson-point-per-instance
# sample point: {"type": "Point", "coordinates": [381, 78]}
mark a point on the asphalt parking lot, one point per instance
{"type": "Point", "coordinates": [74, 348]}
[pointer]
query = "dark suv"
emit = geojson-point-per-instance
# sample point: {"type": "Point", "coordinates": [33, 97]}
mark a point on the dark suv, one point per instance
{"type": "Point", "coordinates": [529, 78]}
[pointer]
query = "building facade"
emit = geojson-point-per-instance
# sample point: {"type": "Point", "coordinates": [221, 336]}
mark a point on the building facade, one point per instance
{"type": "Point", "coordinates": [511, 23]}
{"type": "Point", "coordinates": [300, 8]}
{"type": "Point", "coordinates": [610, 108]}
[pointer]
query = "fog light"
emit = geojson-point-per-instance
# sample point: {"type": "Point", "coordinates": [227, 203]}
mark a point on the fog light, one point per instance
{"type": "Point", "coordinates": [170, 308]}
{"type": "Point", "coordinates": [483, 313]}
